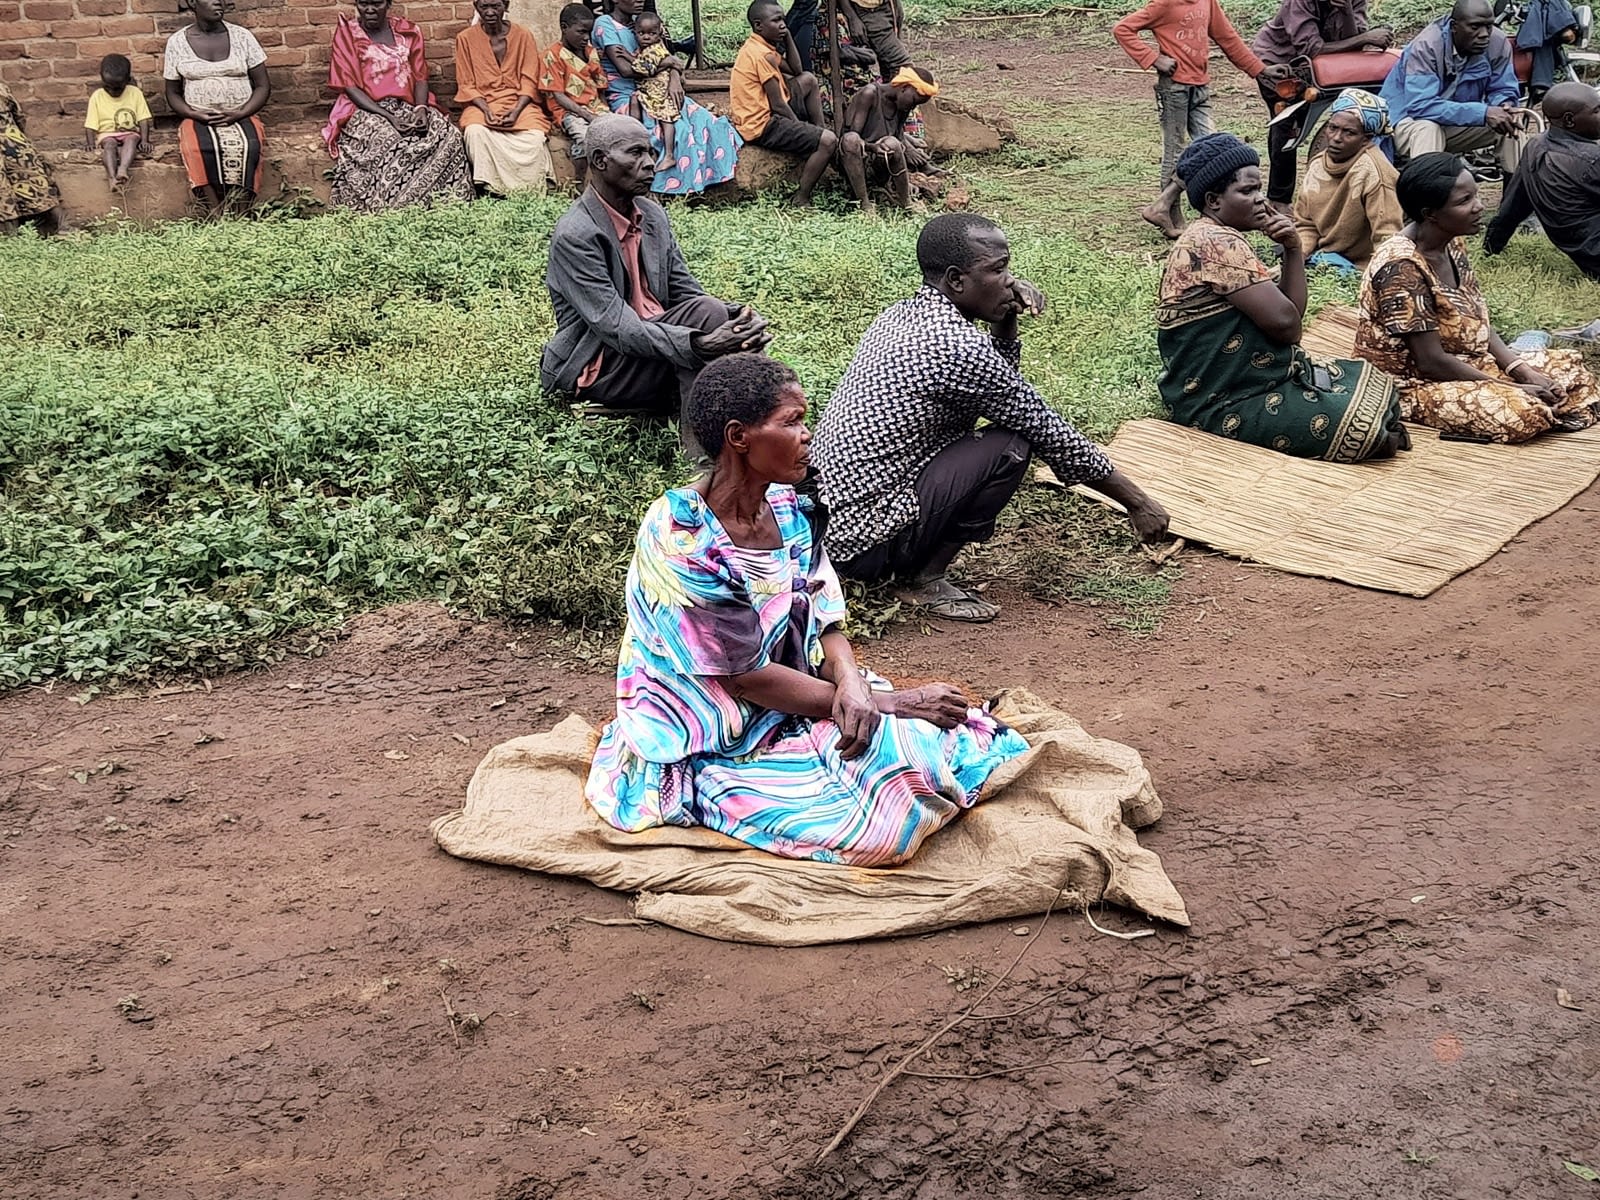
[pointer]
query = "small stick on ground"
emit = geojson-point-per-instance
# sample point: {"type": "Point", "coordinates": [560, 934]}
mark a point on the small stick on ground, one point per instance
{"type": "Point", "coordinates": [927, 1043]}
{"type": "Point", "coordinates": [1050, 1062]}
{"type": "Point", "coordinates": [451, 1016]}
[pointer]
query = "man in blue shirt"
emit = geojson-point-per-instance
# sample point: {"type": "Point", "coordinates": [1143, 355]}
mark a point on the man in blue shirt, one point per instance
{"type": "Point", "coordinates": [1454, 89]}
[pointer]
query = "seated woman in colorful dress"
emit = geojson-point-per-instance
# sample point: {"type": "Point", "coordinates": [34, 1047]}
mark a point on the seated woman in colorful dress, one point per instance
{"type": "Point", "coordinates": [1346, 207]}
{"type": "Point", "coordinates": [706, 146]}
{"type": "Point", "coordinates": [740, 706]}
{"type": "Point", "coordinates": [390, 144]}
{"type": "Point", "coordinates": [1424, 321]}
{"type": "Point", "coordinates": [216, 80]}
{"type": "Point", "coordinates": [27, 192]}
{"type": "Point", "coordinates": [1230, 336]}
{"type": "Point", "coordinates": [502, 119]}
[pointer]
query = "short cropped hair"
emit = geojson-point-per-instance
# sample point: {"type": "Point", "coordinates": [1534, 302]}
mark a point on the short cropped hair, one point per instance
{"type": "Point", "coordinates": [1426, 182]}
{"type": "Point", "coordinates": [117, 66]}
{"type": "Point", "coordinates": [947, 241]}
{"type": "Point", "coordinates": [574, 14]}
{"type": "Point", "coordinates": [757, 6]}
{"type": "Point", "coordinates": [610, 130]}
{"type": "Point", "coordinates": [653, 18]}
{"type": "Point", "coordinates": [735, 387]}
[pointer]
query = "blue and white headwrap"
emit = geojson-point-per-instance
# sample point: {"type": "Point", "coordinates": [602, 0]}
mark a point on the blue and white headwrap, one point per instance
{"type": "Point", "coordinates": [1369, 108]}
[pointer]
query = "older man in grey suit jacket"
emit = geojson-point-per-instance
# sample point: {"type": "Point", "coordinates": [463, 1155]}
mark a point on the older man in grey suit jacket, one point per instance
{"type": "Point", "coordinates": [633, 325]}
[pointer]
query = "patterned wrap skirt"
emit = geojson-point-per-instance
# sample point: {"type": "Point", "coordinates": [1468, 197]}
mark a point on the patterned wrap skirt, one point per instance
{"type": "Point", "coordinates": [25, 186]}
{"type": "Point", "coordinates": [1225, 376]}
{"type": "Point", "coordinates": [379, 168]}
{"type": "Point", "coordinates": [224, 157]}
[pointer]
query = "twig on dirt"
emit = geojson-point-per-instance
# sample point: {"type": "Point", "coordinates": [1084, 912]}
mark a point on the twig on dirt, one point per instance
{"type": "Point", "coordinates": [1127, 937]}
{"type": "Point", "coordinates": [1028, 1007]}
{"type": "Point", "coordinates": [1122, 70]}
{"type": "Point", "coordinates": [1024, 171]}
{"type": "Point", "coordinates": [451, 1016]}
{"type": "Point", "coordinates": [899, 1068]}
{"type": "Point", "coordinates": [1049, 12]}
{"type": "Point", "coordinates": [1049, 1062]}
{"type": "Point", "coordinates": [635, 922]}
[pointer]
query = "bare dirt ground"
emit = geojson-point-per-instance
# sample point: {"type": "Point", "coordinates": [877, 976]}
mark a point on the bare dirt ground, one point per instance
{"type": "Point", "coordinates": [231, 951]}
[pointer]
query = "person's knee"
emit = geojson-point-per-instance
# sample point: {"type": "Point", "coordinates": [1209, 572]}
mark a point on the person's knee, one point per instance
{"type": "Point", "coordinates": [1014, 453]}
{"type": "Point", "coordinates": [705, 313]}
{"type": "Point", "coordinates": [828, 141]}
{"type": "Point", "coordinates": [852, 144]}
{"type": "Point", "coordinates": [805, 83]}
{"type": "Point", "coordinates": [892, 149]}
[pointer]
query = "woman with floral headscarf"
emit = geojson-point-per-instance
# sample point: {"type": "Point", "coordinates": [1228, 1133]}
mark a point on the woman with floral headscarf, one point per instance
{"type": "Point", "coordinates": [1347, 206]}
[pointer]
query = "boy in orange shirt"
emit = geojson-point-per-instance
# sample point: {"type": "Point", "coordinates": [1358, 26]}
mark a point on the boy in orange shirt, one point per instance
{"type": "Point", "coordinates": [573, 83]}
{"type": "Point", "coordinates": [760, 98]}
{"type": "Point", "coordinates": [1184, 31]}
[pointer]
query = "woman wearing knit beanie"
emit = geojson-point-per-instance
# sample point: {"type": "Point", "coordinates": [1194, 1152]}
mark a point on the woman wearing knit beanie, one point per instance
{"type": "Point", "coordinates": [1230, 334]}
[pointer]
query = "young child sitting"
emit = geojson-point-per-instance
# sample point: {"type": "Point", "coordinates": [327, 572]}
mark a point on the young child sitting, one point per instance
{"type": "Point", "coordinates": [875, 127]}
{"type": "Point", "coordinates": [1184, 31]}
{"type": "Point", "coordinates": [118, 119]}
{"type": "Point", "coordinates": [573, 83]}
{"type": "Point", "coordinates": [763, 111]}
{"type": "Point", "coordinates": [652, 69]}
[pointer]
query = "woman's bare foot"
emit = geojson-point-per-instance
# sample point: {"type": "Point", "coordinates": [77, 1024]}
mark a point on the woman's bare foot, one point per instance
{"type": "Point", "coordinates": [1161, 218]}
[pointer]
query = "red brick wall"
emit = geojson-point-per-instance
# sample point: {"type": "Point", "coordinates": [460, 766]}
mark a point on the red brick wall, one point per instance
{"type": "Point", "coordinates": [50, 53]}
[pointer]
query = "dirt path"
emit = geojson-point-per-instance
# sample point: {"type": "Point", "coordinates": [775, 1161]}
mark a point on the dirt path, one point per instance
{"type": "Point", "coordinates": [229, 946]}
{"type": "Point", "coordinates": [1381, 812]}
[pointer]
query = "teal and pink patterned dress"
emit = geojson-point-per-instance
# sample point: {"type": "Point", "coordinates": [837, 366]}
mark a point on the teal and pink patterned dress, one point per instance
{"type": "Point", "coordinates": [684, 751]}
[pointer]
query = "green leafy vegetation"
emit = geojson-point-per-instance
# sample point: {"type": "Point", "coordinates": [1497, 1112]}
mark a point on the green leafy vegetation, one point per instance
{"type": "Point", "coordinates": [212, 436]}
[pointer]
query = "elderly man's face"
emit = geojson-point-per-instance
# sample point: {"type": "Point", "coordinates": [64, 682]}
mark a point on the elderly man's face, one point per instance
{"type": "Point", "coordinates": [629, 166]}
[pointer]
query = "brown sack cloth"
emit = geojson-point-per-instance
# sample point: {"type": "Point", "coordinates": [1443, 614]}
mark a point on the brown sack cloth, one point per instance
{"type": "Point", "coordinates": [1063, 813]}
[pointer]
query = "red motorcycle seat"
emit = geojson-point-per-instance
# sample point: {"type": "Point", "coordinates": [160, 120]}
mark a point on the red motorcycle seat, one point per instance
{"type": "Point", "coordinates": [1353, 68]}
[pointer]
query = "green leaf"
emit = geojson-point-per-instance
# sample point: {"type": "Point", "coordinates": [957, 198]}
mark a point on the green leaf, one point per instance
{"type": "Point", "coordinates": [1587, 1174]}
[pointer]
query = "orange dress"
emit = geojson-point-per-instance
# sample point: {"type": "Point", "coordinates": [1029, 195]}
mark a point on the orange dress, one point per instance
{"type": "Point", "coordinates": [1401, 294]}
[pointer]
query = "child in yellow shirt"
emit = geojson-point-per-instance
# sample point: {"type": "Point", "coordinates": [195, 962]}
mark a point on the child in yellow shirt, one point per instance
{"type": "Point", "coordinates": [118, 118]}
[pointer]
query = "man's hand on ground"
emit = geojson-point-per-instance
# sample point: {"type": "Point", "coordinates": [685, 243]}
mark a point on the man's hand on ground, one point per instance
{"type": "Point", "coordinates": [1149, 521]}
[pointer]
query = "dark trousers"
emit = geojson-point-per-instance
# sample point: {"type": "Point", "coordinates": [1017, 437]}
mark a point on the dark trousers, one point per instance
{"type": "Point", "coordinates": [959, 495]}
{"type": "Point", "coordinates": [654, 385]}
{"type": "Point", "coordinates": [885, 39]}
{"type": "Point", "coordinates": [802, 22]}
{"type": "Point", "coordinates": [1282, 166]}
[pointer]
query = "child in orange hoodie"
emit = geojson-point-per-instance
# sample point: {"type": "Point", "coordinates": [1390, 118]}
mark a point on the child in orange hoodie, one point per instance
{"type": "Point", "coordinates": [1184, 31]}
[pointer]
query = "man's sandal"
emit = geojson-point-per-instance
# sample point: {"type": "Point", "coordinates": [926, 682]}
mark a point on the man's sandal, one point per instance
{"type": "Point", "coordinates": [941, 598]}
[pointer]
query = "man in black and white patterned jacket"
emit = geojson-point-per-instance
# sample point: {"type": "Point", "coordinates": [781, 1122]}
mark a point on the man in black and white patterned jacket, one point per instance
{"type": "Point", "coordinates": [907, 475]}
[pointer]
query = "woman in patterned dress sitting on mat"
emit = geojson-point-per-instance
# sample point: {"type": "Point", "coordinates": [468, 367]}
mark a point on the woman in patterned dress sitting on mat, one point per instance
{"type": "Point", "coordinates": [1424, 321]}
{"type": "Point", "coordinates": [740, 706]}
{"type": "Point", "coordinates": [1230, 334]}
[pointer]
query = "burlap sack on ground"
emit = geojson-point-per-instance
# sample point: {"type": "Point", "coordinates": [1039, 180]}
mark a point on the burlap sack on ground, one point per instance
{"type": "Point", "coordinates": [1062, 814]}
